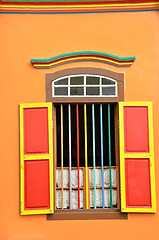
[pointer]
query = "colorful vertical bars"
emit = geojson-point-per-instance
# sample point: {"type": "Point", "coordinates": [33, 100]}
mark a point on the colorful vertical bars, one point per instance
{"type": "Point", "coordinates": [94, 154]}
{"type": "Point", "coordinates": [101, 136]}
{"type": "Point", "coordinates": [109, 140]}
{"type": "Point", "coordinates": [86, 160]}
{"type": "Point", "coordinates": [62, 154]}
{"type": "Point", "coordinates": [70, 157]}
{"type": "Point", "coordinates": [105, 115]}
{"type": "Point", "coordinates": [77, 125]}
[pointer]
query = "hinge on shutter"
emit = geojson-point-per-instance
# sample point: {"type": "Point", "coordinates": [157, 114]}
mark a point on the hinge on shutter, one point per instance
{"type": "Point", "coordinates": [118, 123]}
{"type": "Point", "coordinates": [52, 124]}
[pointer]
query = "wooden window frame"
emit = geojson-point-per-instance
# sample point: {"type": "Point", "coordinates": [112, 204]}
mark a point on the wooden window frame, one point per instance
{"type": "Point", "coordinates": [87, 214]}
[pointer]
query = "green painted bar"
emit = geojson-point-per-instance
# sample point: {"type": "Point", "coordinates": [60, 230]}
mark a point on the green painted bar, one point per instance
{"type": "Point", "coordinates": [94, 154]}
{"type": "Point", "coordinates": [109, 140]}
{"type": "Point", "coordinates": [102, 157]}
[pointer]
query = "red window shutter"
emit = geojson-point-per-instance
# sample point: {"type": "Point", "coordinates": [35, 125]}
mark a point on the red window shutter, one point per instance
{"type": "Point", "coordinates": [137, 175]}
{"type": "Point", "coordinates": [36, 159]}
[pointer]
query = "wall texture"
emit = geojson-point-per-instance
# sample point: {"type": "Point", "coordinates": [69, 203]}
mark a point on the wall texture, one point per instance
{"type": "Point", "coordinates": [42, 36]}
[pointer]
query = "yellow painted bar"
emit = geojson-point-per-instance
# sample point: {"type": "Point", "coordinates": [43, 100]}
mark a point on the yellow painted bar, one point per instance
{"type": "Point", "coordinates": [152, 163]}
{"type": "Point", "coordinates": [86, 161]}
{"type": "Point", "coordinates": [39, 211]}
{"type": "Point", "coordinates": [149, 155]}
{"type": "Point", "coordinates": [137, 155]}
{"type": "Point", "coordinates": [21, 160]}
{"type": "Point", "coordinates": [36, 157]}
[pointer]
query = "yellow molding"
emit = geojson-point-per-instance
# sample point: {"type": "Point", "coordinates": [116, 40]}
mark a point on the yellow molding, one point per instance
{"type": "Point", "coordinates": [149, 155]}
{"type": "Point", "coordinates": [36, 157]}
{"type": "Point", "coordinates": [38, 211]}
{"type": "Point", "coordinates": [140, 210]}
{"type": "Point", "coordinates": [137, 155]}
{"type": "Point", "coordinates": [36, 105]}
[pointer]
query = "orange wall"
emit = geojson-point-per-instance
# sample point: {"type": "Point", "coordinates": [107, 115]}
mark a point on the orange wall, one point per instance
{"type": "Point", "coordinates": [41, 36]}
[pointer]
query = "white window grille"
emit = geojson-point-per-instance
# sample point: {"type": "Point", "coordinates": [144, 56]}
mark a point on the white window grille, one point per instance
{"type": "Point", "coordinates": [84, 85]}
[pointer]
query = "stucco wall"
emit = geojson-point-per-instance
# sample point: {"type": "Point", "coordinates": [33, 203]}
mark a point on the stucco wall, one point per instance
{"type": "Point", "coordinates": [42, 36]}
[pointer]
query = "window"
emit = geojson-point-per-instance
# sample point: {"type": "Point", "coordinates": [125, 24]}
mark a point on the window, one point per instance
{"type": "Point", "coordinates": [85, 173]}
{"type": "Point", "coordinates": [84, 85]}
{"type": "Point", "coordinates": [86, 94]}
{"type": "Point", "coordinates": [85, 144]}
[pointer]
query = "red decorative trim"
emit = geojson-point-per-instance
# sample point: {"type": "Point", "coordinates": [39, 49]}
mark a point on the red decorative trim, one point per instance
{"type": "Point", "coordinates": [76, 6]}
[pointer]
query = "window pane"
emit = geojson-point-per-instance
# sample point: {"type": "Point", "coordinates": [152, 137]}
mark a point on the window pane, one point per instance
{"type": "Point", "coordinates": [61, 91]}
{"type": "Point", "coordinates": [92, 80]}
{"type": "Point", "coordinates": [76, 80]}
{"type": "Point", "coordinates": [62, 82]}
{"type": "Point", "coordinates": [76, 91]}
{"type": "Point", "coordinates": [92, 91]}
{"type": "Point", "coordinates": [107, 81]}
{"type": "Point", "coordinates": [108, 91]}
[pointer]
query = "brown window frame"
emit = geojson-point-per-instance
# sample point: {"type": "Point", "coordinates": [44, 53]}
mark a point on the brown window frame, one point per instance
{"type": "Point", "coordinates": [86, 214]}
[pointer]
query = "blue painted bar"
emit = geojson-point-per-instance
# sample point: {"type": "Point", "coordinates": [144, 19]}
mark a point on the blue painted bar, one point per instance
{"type": "Point", "coordinates": [101, 137]}
{"type": "Point", "coordinates": [109, 140]}
{"type": "Point", "coordinates": [94, 154]}
{"type": "Point", "coordinates": [57, 13]}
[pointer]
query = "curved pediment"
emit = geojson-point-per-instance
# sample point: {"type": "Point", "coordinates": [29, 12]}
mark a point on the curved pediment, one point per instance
{"type": "Point", "coordinates": [83, 56]}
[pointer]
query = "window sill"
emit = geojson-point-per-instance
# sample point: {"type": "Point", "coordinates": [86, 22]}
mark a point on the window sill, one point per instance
{"type": "Point", "coordinates": [87, 214]}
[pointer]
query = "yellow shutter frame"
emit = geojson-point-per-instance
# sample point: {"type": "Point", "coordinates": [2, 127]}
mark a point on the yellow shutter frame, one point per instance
{"type": "Point", "coordinates": [149, 155]}
{"type": "Point", "coordinates": [28, 157]}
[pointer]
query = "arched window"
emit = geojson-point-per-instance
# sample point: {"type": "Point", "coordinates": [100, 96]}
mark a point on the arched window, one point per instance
{"type": "Point", "coordinates": [84, 85]}
{"type": "Point", "coordinates": [85, 117]}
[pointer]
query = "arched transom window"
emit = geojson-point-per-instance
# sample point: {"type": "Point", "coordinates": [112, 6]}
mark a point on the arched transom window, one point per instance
{"type": "Point", "coordinates": [84, 85]}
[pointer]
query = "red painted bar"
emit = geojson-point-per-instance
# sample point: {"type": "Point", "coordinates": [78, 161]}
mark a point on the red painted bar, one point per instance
{"type": "Point", "coordinates": [77, 122]}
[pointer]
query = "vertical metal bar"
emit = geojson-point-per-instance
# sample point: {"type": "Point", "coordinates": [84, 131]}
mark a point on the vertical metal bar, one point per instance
{"type": "Point", "coordinates": [70, 157]}
{"type": "Point", "coordinates": [101, 136]}
{"type": "Point", "coordinates": [62, 154]}
{"type": "Point", "coordinates": [85, 130]}
{"type": "Point", "coordinates": [94, 154]}
{"type": "Point", "coordinates": [109, 139]}
{"type": "Point", "coordinates": [116, 117]}
{"type": "Point", "coordinates": [77, 123]}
